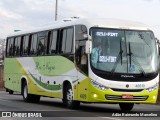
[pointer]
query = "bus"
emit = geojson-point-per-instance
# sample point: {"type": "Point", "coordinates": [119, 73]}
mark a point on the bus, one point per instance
{"type": "Point", "coordinates": [63, 60]}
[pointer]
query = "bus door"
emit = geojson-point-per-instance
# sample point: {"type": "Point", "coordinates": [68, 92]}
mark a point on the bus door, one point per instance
{"type": "Point", "coordinates": [82, 67]}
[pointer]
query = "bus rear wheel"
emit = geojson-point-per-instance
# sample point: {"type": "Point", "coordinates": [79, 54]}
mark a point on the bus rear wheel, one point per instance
{"type": "Point", "coordinates": [126, 106]}
{"type": "Point", "coordinates": [29, 97]}
{"type": "Point", "coordinates": [10, 91]}
{"type": "Point", "coordinates": [68, 98]}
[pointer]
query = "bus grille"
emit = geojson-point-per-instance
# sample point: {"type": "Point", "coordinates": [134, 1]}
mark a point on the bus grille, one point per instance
{"type": "Point", "coordinates": [135, 98]}
{"type": "Point", "coordinates": [126, 90]}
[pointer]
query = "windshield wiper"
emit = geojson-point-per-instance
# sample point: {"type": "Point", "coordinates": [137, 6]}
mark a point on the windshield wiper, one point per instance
{"type": "Point", "coordinates": [118, 58]}
{"type": "Point", "coordinates": [132, 57]}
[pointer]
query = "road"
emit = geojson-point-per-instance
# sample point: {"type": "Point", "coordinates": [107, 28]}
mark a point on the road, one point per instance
{"type": "Point", "coordinates": [50, 109]}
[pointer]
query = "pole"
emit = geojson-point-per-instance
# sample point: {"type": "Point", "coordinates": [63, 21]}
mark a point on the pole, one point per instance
{"type": "Point", "coordinates": [56, 10]}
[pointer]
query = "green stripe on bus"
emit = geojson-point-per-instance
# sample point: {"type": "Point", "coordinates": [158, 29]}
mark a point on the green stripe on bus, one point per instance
{"type": "Point", "coordinates": [45, 85]}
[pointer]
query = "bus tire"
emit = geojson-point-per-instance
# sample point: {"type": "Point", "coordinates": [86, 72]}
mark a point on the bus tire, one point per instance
{"type": "Point", "coordinates": [10, 92]}
{"type": "Point", "coordinates": [126, 106]}
{"type": "Point", "coordinates": [29, 97]}
{"type": "Point", "coordinates": [68, 98]}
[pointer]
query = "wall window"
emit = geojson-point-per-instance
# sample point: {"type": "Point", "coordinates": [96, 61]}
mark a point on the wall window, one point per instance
{"type": "Point", "coordinates": [25, 45]}
{"type": "Point", "coordinates": [53, 42]}
{"type": "Point", "coordinates": [33, 48]}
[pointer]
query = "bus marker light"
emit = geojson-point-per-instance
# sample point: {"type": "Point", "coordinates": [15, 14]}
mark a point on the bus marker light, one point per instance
{"type": "Point", "coordinates": [154, 97]}
{"type": "Point", "coordinates": [94, 95]}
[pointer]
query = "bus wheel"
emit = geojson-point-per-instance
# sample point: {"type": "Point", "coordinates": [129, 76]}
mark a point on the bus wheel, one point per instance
{"type": "Point", "coordinates": [29, 97]}
{"type": "Point", "coordinates": [68, 98]}
{"type": "Point", "coordinates": [126, 106]}
{"type": "Point", "coordinates": [10, 91]}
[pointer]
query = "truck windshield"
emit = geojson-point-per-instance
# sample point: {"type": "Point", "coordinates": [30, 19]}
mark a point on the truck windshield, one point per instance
{"type": "Point", "coordinates": [124, 51]}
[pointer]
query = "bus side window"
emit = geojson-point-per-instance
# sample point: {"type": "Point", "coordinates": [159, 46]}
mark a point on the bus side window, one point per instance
{"type": "Point", "coordinates": [8, 47]}
{"type": "Point", "coordinates": [81, 57]}
{"type": "Point", "coordinates": [33, 45]}
{"type": "Point", "coordinates": [67, 40]}
{"type": "Point", "coordinates": [52, 42]}
{"type": "Point", "coordinates": [80, 32]}
{"type": "Point", "coordinates": [14, 46]}
{"type": "Point", "coordinates": [17, 44]}
{"type": "Point", "coordinates": [25, 45]}
{"type": "Point", "coordinates": [11, 47]}
{"type": "Point", "coordinates": [42, 40]}
{"type": "Point", "coordinates": [64, 32]}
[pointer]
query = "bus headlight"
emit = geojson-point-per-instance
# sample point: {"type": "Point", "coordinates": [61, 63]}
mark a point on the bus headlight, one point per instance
{"type": "Point", "coordinates": [150, 89]}
{"type": "Point", "coordinates": [99, 86]}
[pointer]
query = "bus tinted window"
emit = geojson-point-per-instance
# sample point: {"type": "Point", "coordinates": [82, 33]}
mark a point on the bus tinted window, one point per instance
{"type": "Point", "coordinates": [80, 32]}
{"type": "Point", "coordinates": [67, 40]}
{"type": "Point", "coordinates": [8, 47]}
{"type": "Point", "coordinates": [33, 48]}
{"type": "Point", "coordinates": [63, 41]}
{"type": "Point", "coordinates": [42, 38]}
{"type": "Point", "coordinates": [52, 43]}
{"type": "Point", "coordinates": [17, 46]}
{"type": "Point", "coordinates": [25, 45]}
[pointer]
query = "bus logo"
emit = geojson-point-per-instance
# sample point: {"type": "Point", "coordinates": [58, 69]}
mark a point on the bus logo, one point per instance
{"type": "Point", "coordinates": [127, 76]}
{"type": "Point", "coordinates": [127, 86]}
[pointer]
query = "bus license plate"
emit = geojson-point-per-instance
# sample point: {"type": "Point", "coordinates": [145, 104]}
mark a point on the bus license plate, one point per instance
{"type": "Point", "coordinates": [126, 96]}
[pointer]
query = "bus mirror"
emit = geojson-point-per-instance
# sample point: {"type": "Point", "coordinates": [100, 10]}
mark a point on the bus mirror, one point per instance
{"type": "Point", "coordinates": [88, 48]}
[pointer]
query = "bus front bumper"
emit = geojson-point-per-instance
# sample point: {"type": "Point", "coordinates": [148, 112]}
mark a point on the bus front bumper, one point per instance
{"type": "Point", "coordinates": [110, 96]}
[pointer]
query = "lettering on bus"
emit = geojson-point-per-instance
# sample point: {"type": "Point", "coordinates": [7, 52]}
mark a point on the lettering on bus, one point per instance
{"type": "Point", "coordinates": [140, 85]}
{"type": "Point", "coordinates": [45, 67]}
{"type": "Point", "coordinates": [107, 58]}
{"type": "Point", "coordinates": [103, 34]}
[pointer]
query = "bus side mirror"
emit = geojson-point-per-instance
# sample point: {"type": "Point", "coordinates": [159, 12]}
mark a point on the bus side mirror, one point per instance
{"type": "Point", "coordinates": [88, 48]}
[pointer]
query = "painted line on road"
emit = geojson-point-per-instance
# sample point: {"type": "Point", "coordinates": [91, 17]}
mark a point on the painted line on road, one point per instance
{"type": "Point", "coordinates": [111, 118]}
{"type": "Point", "coordinates": [5, 100]}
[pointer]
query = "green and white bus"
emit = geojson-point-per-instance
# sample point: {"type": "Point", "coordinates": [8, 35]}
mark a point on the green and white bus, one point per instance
{"type": "Point", "coordinates": [61, 61]}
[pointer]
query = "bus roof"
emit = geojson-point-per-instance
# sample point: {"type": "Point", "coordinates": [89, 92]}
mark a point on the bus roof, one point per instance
{"type": "Point", "coordinates": [105, 23]}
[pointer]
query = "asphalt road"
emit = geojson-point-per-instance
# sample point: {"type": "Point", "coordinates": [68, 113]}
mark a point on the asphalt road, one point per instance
{"type": "Point", "coordinates": [50, 109]}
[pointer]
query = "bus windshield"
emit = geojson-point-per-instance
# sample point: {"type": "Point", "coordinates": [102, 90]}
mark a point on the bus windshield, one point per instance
{"type": "Point", "coordinates": [124, 51]}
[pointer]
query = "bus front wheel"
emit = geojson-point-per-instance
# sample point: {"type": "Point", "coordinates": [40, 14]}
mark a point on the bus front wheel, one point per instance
{"type": "Point", "coordinates": [68, 98]}
{"type": "Point", "coordinates": [29, 97]}
{"type": "Point", "coordinates": [126, 106]}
